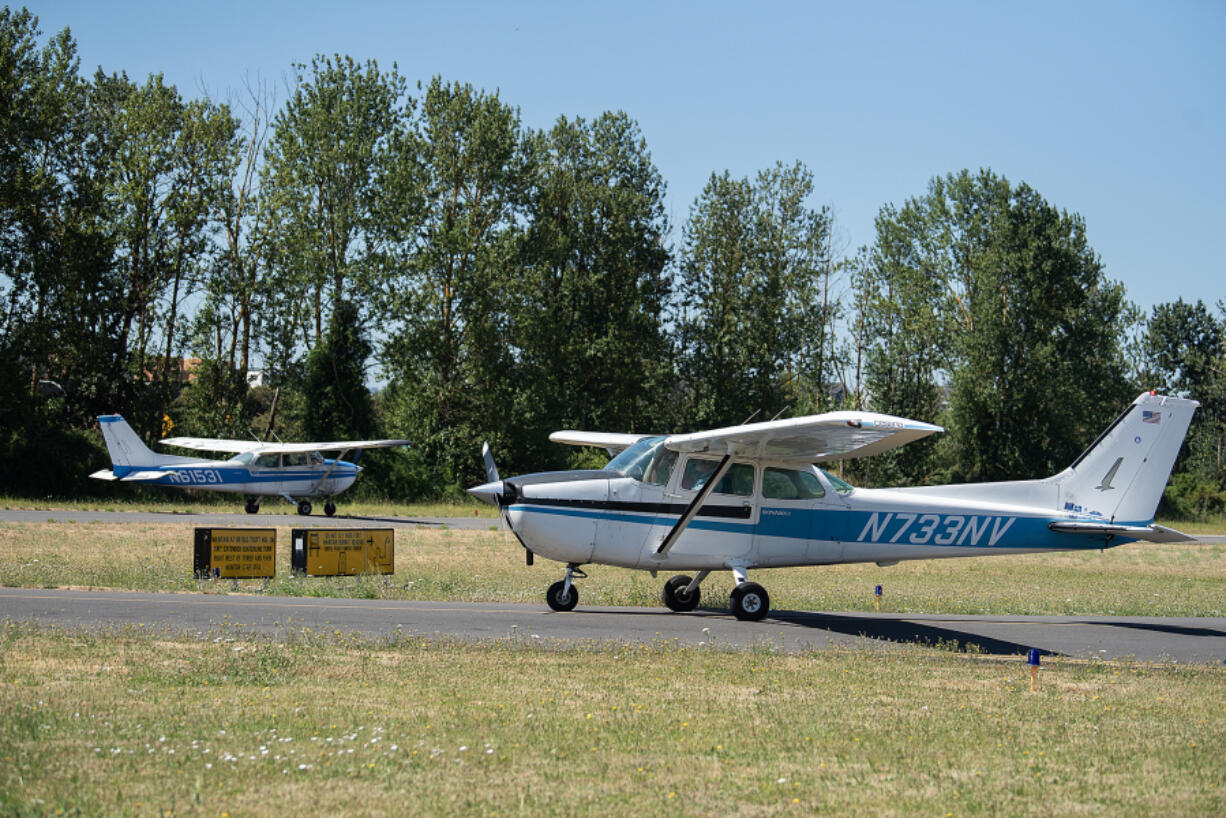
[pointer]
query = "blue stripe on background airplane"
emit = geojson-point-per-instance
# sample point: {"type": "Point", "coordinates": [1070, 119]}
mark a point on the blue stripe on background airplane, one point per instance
{"type": "Point", "coordinates": [752, 496]}
{"type": "Point", "coordinates": [295, 471]}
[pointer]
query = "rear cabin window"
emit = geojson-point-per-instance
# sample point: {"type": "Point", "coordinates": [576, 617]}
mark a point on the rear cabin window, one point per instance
{"type": "Point", "coordinates": [738, 480]}
{"type": "Point", "coordinates": [791, 484]}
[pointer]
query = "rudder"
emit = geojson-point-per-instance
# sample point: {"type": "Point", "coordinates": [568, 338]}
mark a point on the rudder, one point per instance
{"type": "Point", "coordinates": [1121, 476]}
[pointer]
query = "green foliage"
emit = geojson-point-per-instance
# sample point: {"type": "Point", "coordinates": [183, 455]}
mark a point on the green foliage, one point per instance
{"type": "Point", "coordinates": [338, 403]}
{"type": "Point", "coordinates": [513, 282]}
{"type": "Point", "coordinates": [1186, 354]}
{"type": "Point", "coordinates": [755, 315]}
{"type": "Point", "coordinates": [988, 287]}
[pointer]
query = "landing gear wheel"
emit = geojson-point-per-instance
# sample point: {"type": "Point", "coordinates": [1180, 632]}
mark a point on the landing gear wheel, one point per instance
{"type": "Point", "coordinates": [675, 596]}
{"type": "Point", "coordinates": [253, 505]}
{"type": "Point", "coordinates": [329, 508]}
{"type": "Point", "coordinates": [554, 597]}
{"type": "Point", "coordinates": [304, 507]}
{"type": "Point", "coordinates": [749, 601]}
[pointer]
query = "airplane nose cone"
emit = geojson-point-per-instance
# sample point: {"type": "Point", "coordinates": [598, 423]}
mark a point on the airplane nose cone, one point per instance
{"type": "Point", "coordinates": [488, 492]}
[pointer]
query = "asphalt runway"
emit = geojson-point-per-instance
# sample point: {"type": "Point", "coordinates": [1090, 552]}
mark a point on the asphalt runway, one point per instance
{"type": "Point", "coordinates": [1191, 640]}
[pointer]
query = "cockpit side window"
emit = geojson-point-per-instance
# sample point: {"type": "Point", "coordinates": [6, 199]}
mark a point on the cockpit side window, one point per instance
{"type": "Point", "coordinates": [268, 461]}
{"type": "Point", "coordinates": [662, 467]}
{"type": "Point", "coordinates": [738, 480]}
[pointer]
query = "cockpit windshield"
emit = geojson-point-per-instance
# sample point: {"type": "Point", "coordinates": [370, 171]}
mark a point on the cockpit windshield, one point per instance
{"type": "Point", "coordinates": [633, 461]}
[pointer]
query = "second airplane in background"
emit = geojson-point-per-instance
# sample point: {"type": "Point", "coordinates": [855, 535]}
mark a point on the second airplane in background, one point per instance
{"type": "Point", "coordinates": [296, 471]}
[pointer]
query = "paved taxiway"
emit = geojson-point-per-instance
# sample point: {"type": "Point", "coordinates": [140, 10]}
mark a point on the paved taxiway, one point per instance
{"type": "Point", "coordinates": [1198, 640]}
{"type": "Point", "coordinates": [239, 519]}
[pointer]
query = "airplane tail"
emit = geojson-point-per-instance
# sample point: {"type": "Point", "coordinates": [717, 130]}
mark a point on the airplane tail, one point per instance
{"type": "Point", "coordinates": [128, 454]}
{"type": "Point", "coordinates": [1120, 478]}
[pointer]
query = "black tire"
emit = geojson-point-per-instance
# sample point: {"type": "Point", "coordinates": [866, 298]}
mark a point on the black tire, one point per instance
{"type": "Point", "coordinates": [554, 597]}
{"type": "Point", "coordinates": [329, 508]}
{"type": "Point", "coordinates": [304, 507]}
{"type": "Point", "coordinates": [675, 597]}
{"type": "Point", "coordinates": [749, 601]}
{"type": "Point", "coordinates": [253, 506]}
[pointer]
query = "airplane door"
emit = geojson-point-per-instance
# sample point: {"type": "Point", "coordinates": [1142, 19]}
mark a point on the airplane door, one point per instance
{"type": "Point", "coordinates": [631, 516]}
{"type": "Point", "coordinates": [724, 527]}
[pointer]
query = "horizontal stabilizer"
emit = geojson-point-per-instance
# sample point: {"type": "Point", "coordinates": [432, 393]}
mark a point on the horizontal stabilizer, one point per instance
{"type": "Point", "coordinates": [1146, 533]}
{"type": "Point", "coordinates": [105, 474]}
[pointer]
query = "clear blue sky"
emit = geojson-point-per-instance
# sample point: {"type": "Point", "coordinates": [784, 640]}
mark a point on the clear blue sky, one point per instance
{"type": "Point", "coordinates": [1114, 110]}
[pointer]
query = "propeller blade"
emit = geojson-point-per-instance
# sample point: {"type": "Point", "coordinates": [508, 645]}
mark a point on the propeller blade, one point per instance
{"type": "Point", "coordinates": [491, 470]}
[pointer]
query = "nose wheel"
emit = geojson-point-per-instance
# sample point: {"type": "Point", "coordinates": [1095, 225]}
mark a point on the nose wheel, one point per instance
{"type": "Point", "coordinates": [329, 508]}
{"type": "Point", "coordinates": [253, 505]}
{"type": "Point", "coordinates": [563, 596]}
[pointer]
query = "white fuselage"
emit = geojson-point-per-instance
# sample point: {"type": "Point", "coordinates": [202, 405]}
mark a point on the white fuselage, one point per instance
{"type": "Point", "coordinates": [622, 520]}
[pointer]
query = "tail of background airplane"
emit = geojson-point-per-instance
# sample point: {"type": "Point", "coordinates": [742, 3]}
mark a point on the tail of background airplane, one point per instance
{"type": "Point", "coordinates": [1120, 478]}
{"type": "Point", "coordinates": [128, 453]}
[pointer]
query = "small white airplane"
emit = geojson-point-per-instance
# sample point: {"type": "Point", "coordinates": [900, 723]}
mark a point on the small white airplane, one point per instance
{"type": "Point", "coordinates": [295, 471]}
{"type": "Point", "coordinates": [751, 496]}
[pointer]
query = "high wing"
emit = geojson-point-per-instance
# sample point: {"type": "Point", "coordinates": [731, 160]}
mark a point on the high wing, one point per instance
{"type": "Point", "coordinates": [612, 441]}
{"type": "Point", "coordinates": [839, 435]}
{"type": "Point", "coordinates": [210, 444]}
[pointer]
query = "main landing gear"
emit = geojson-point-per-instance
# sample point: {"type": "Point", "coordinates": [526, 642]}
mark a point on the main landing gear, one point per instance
{"type": "Point", "coordinates": [304, 507]}
{"type": "Point", "coordinates": [748, 600]}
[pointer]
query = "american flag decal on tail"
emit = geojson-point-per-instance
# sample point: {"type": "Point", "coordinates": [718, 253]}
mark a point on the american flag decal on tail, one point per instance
{"type": "Point", "coordinates": [1148, 416]}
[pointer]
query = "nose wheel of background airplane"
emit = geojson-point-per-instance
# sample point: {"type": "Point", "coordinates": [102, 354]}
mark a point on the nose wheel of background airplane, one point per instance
{"type": "Point", "coordinates": [679, 596]}
{"type": "Point", "coordinates": [749, 600]}
{"type": "Point", "coordinates": [329, 508]}
{"type": "Point", "coordinates": [253, 505]}
{"type": "Point", "coordinates": [304, 507]}
{"type": "Point", "coordinates": [563, 596]}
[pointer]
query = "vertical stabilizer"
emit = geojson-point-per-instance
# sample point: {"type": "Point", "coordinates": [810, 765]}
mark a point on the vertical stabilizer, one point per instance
{"type": "Point", "coordinates": [1121, 476]}
{"type": "Point", "coordinates": [127, 450]}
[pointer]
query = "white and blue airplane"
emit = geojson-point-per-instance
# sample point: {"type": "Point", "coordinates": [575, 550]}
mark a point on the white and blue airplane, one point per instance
{"type": "Point", "coordinates": [295, 471]}
{"type": "Point", "coordinates": [753, 496]}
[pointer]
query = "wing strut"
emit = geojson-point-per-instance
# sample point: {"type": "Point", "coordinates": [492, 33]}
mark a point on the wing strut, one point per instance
{"type": "Point", "coordinates": [671, 537]}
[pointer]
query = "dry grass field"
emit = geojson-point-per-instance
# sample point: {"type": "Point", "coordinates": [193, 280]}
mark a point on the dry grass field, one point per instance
{"type": "Point", "coordinates": [150, 722]}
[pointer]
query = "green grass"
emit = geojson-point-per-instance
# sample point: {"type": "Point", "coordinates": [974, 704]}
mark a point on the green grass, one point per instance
{"type": "Point", "coordinates": [137, 722]}
{"type": "Point", "coordinates": [450, 564]}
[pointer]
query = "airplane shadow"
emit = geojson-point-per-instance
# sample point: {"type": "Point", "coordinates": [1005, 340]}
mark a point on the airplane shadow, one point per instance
{"type": "Point", "coordinates": [906, 632]}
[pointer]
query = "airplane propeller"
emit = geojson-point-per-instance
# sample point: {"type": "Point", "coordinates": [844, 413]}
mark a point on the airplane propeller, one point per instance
{"type": "Point", "coordinates": [496, 492]}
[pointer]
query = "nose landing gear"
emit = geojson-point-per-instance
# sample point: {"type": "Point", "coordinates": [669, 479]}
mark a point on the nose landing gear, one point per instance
{"type": "Point", "coordinates": [563, 596]}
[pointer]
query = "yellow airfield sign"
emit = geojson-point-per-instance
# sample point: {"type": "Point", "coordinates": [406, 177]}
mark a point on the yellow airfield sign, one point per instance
{"type": "Point", "coordinates": [329, 552]}
{"type": "Point", "coordinates": [236, 553]}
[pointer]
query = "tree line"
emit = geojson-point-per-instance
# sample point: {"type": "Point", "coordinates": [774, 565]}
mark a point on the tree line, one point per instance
{"type": "Point", "coordinates": [500, 282]}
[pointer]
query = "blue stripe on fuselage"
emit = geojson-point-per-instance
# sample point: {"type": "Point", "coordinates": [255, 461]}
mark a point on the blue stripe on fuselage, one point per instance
{"type": "Point", "coordinates": [904, 528]}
